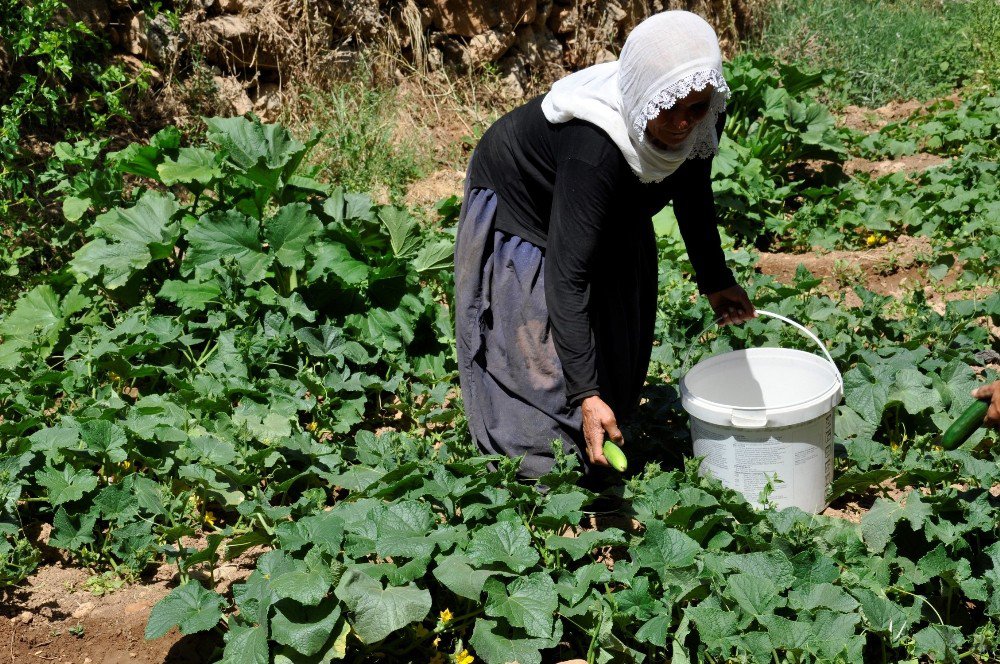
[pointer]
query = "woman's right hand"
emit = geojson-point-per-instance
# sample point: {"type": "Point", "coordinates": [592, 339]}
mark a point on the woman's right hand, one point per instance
{"type": "Point", "coordinates": [598, 420]}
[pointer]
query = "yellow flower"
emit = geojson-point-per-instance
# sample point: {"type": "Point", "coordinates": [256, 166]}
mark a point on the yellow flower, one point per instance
{"type": "Point", "coordinates": [446, 616]}
{"type": "Point", "coordinates": [421, 631]}
{"type": "Point", "coordinates": [210, 518]}
{"type": "Point", "coordinates": [883, 239]}
{"type": "Point", "coordinates": [871, 240]}
{"type": "Point", "coordinates": [464, 658]}
{"type": "Point", "coordinates": [126, 464]}
{"type": "Point", "coordinates": [311, 426]}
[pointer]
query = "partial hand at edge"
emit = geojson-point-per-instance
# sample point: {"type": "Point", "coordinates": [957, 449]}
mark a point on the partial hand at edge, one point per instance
{"type": "Point", "coordinates": [732, 305]}
{"type": "Point", "coordinates": [598, 419]}
{"type": "Point", "coordinates": [991, 392]}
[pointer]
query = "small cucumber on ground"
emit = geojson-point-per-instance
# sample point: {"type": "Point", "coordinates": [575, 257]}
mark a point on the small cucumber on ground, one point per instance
{"type": "Point", "coordinates": [962, 428]}
{"type": "Point", "coordinates": [615, 456]}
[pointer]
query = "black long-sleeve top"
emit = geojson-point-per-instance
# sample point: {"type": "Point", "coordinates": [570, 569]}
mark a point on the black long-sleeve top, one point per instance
{"type": "Point", "coordinates": [567, 189]}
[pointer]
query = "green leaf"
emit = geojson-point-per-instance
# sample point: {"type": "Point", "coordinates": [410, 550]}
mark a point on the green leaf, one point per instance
{"type": "Point", "coordinates": [529, 602]}
{"type": "Point", "coordinates": [306, 629]}
{"type": "Point", "coordinates": [333, 258]}
{"type": "Point", "coordinates": [495, 645]}
{"type": "Point", "coordinates": [72, 532]}
{"type": "Point", "coordinates": [822, 596]}
{"type": "Point", "coordinates": [148, 223]}
{"type": "Point", "coordinates": [404, 528]}
{"type": "Point", "coordinates": [506, 542]}
{"type": "Point", "coordinates": [289, 231]}
{"type": "Point", "coordinates": [585, 541]}
{"type": "Point", "coordinates": [248, 142]}
{"type": "Point", "coordinates": [455, 574]}
{"type": "Point", "coordinates": [74, 208]}
{"type": "Point", "coordinates": [940, 642]}
{"type": "Point", "coordinates": [866, 390]}
{"type": "Point", "coordinates": [246, 645]}
{"type": "Point", "coordinates": [756, 595]}
{"type": "Point", "coordinates": [879, 523]}
{"type": "Point", "coordinates": [192, 165]}
{"type": "Point", "coordinates": [713, 624]}
{"type": "Point", "coordinates": [190, 607]}
{"type": "Point", "coordinates": [66, 485]}
{"type": "Point", "coordinates": [105, 439]}
{"type": "Point", "coordinates": [35, 316]}
{"type": "Point", "coordinates": [434, 256]}
{"type": "Point", "coordinates": [403, 235]}
{"type": "Point", "coordinates": [666, 548]}
{"type": "Point", "coordinates": [378, 611]}
{"type": "Point", "coordinates": [304, 585]}
{"type": "Point", "coordinates": [191, 295]}
{"type": "Point", "coordinates": [220, 235]}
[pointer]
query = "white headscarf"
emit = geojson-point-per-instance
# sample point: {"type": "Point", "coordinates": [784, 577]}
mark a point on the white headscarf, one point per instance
{"type": "Point", "coordinates": [664, 58]}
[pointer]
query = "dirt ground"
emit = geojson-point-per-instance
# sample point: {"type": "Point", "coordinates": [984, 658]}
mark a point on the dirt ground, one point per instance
{"type": "Point", "coordinates": [54, 617]}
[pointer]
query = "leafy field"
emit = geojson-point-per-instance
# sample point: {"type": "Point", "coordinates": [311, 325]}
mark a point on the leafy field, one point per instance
{"type": "Point", "coordinates": [238, 357]}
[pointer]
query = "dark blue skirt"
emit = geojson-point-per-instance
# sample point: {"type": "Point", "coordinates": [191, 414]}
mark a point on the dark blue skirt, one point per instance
{"type": "Point", "coordinates": [512, 381]}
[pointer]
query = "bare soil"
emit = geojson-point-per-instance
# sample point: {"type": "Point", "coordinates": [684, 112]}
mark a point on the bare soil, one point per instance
{"type": "Point", "coordinates": [54, 617]}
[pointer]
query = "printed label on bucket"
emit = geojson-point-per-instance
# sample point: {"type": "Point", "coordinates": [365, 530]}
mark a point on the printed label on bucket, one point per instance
{"type": "Point", "coordinates": [800, 457]}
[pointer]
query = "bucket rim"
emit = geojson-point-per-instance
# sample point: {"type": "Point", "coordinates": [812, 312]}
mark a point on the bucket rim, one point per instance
{"type": "Point", "coordinates": [835, 388]}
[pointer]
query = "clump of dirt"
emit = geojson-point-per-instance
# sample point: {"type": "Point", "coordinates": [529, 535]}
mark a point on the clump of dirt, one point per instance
{"type": "Point", "coordinates": [906, 164]}
{"type": "Point", "coordinates": [862, 118]}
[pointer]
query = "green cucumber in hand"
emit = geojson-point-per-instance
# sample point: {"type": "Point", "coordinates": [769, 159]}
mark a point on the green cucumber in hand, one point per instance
{"type": "Point", "coordinates": [962, 428]}
{"type": "Point", "coordinates": [615, 456]}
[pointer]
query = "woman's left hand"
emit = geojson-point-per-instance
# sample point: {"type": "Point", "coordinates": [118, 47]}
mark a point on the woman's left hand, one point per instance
{"type": "Point", "coordinates": [732, 305]}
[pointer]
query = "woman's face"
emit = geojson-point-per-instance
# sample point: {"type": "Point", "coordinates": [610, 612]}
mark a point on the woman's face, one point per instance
{"type": "Point", "coordinates": [674, 124]}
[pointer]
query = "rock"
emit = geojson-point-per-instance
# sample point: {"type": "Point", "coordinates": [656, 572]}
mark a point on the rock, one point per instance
{"type": "Point", "coordinates": [487, 47]}
{"type": "Point", "coordinates": [564, 20]}
{"type": "Point", "coordinates": [83, 610]}
{"type": "Point", "coordinates": [233, 95]}
{"type": "Point", "coordinates": [156, 40]}
{"type": "Point", "coordinates": [269, 101]}
{"type": "Point", "coordinates": [230, 41]}
{"type": "Point", "coordinates": [539, 47]}
{"type": "Point", "coordinates": [26, 617]}
{"type": "Point", "coordinates": [95, 14]}
{"type": "Point", "coordinates": [230, 6]}
{"type": "Point", "coordinates": [469, 18]}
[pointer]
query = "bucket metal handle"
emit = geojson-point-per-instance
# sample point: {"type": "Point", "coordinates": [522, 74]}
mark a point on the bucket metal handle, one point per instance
{"type": "Point", "coordinates": [784, 319]}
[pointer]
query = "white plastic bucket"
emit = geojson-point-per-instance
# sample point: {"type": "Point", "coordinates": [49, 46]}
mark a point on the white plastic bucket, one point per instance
{"type": "Point", "coordinates": [766, 414]}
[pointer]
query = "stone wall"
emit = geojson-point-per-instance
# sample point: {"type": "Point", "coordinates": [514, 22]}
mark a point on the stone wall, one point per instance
{"type": "Point", "coordinates": [255, 46]}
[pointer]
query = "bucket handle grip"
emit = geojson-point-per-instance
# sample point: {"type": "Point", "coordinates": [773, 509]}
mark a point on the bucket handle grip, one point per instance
{"type": "Point", "coordinates": [798, 326]}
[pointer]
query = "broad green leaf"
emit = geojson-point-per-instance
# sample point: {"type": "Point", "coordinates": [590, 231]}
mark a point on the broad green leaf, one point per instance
{"type": "Point", "coordinates": [507, 543]}
{"type": "Point", "coordinates": [378, 611]}
{"type": "Point", "coordinates": [940, 642]}
{"type": "Point", "coordinates": [74, 207]}
{"type": "Point", "coordinates": [333, 258]}
{"type": "Point", "coordinates": [822, 596]}
{"type": "Point", "coordinates": [105, 439]}
{"type": "Point", "coordinates": [866, 390]}
{"type": "Point", "coordinates": [405, 529]}
{"type": "Point", "coordinates": [403, 234]}
{"type": "Point", "coordinates": [66, 485]}
{"type": "Point", "coordinates": [586, 541]}
{"type": "Point", "coordinates": [191, 607]}
{"type": "Point", "coordinates": [221, 235]}
{"type": "Point", "coordinates": [192, 165]}
{"type": "Point", "coordinates": [148, 223]}
{"type": "Point", "coordinates": [455, 574]}
{"type": "Point", "coordinates": [289, 231]}
{"type": "Point", "coordinates": [434, 256]}
{"type": "Point", "coordinates": [713, 624]}
{"type": "Point", "coordinates": [72, 532]}
{"type": "Point", "coordinates": [191, 295]}
{"type": "Point", "coordinates": [528, 602]}
{"type": "Point", "coordinates": [306, 629]}
{"type": "Point", "coordinates": [665, 548]}
{"type": "Point", "coordinates": [246, 645]}
{"type": "Point", "coordinates": [247, 142]}
{"type": "Point", "coordinates": [496, 645]}
{"type": "Point", "coordinates": [756, 595]}
{"type": "Point", "coordinates": [36, 315]}
{"type": "Point", "coordinates": [879, 523]}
